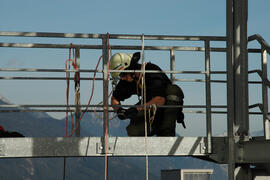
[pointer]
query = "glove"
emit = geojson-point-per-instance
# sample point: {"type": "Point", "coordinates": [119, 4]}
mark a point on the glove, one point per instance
{"type": "Point", "coordinates": [121, 114]}
{"type": "Point", "coordinates": [126, 113]}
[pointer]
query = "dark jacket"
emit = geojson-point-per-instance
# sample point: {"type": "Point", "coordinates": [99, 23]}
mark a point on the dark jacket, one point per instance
{"type": "Point", "coordinates": [156, 84]}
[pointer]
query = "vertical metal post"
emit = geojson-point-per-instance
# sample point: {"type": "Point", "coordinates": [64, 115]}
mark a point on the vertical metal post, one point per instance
{"type": "Point", "coordinates": [105, 102]}
{"type": "Point", "coordinates": [208, 97]}
{"type": "Point", "coordinates": [265, 93]}
{"type": "Point", "coordinates": [237, 82]}
{"type": "Point", "coordinates": [105, 82]}
{"type": "Point", "coordinates": [230, 88]}
{"type": "Point", "coordinates": [241, 68]}
{"type": "Point", "coordinates": [172, 60]}
{"type": "Point", "coordinates": [77, 93]}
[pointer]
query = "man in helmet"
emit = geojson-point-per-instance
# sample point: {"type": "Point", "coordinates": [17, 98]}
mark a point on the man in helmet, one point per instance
{"type": "Point", "coordinates": [160, 121]}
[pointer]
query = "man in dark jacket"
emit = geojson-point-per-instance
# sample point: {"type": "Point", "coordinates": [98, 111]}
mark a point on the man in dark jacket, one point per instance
{"type": "Point", "coordinates": [159, 91]}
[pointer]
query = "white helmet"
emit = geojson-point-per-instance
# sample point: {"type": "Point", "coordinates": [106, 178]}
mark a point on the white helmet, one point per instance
{"type": "Point", "coordinates": [119, 61]}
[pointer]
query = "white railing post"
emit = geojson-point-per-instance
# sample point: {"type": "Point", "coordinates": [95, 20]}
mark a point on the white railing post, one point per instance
{"type": "Point", "coordinates": [265, 93]}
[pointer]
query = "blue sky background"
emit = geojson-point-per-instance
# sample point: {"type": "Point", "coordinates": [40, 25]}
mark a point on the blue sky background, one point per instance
{"type": "Point", "coordinates": [171, 17]}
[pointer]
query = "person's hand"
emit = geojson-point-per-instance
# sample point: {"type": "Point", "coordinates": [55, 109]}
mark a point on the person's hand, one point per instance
{"type": "Point", "coordinates": [126, 113]}
{"type": "Point", "coordinates": [121, 114]}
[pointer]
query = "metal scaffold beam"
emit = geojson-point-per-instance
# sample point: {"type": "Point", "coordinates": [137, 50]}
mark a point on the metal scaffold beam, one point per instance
{"type": "Point", "coordinates": [93, 146]}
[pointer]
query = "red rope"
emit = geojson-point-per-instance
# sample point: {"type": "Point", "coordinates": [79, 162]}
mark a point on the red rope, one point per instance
{"type": "Point", "coordinates": [91, 96]}
{"type": "Point", "coordinates": [67, 65]}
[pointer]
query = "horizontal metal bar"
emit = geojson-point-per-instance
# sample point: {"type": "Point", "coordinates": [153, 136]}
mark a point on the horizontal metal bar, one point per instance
{"type": "Point", "coordinates": [44, 105]}
{"type": "Point", "coordinates": [203, 112]}
{"type": "Point", "coordinates": [167, 48]}
{"type": "Point", "coordinates": [91, 108]}
{"type": "Point", "coordinates": [59, 46]}
{"type": "Point", "coordinates": [252, 50]}
{"type": "Point", "coordinates": [46, 70]}
{"type": "Point", "coordinates": [82, 46]}
{"type": "Point", "coordinates": [113, 36]}
{"type": "Point", "coordinates": [82, 78]}
{"type": "Point", "coordinates": [116, 47]}
{"type": "Point", "coordinates": [189, 80]}
{"type": "Point", "coordinates": [99, 79]}
{"type": "Point", "coordinates": [47, 110]}
{"type": "Point", "coordinates": [51, 35]}
{"type": "Point", "coordinates": [218, 81]}
{"type": "Point", "coordinates": [255, 82]}
{"type": "Point", "coordinates": [100, 71]}
{"type": "Point", "coordinates": [86, 70]}
{"type": "Point", "coordinates": [218, 72]}
{"type": "Point", "coordinates": [164, 71]}
{"type": "Point", "coordinates": [99, 110]}
{"type": "Point", "coordinates": [199, 80]}
{"type": "Point", "coordinates": [98, 106]}
{"type": "Point", "coordinates": [221, 112]}
{"type": "Point", "coordinates": [253, 151]}
{"type": "Point", "coordinates": [214, 81]}
{"type": "Point", "coordinates": [44, 78]}
{"type": "Point", "coordinates": [94, 146]}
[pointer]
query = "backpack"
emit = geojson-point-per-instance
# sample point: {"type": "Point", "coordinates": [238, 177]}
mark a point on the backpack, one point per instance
{"type": "Point", "coordinates": [175, 96]}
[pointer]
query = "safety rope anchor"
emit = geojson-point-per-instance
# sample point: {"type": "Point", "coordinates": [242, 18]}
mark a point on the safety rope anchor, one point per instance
{"type": "Point", "coordinates": [101, 148]}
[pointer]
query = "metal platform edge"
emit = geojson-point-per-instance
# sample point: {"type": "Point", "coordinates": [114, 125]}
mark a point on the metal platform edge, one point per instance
{"type": "Point", "coordinates": [95, 146]}
{"type": "Point", "coordinates": [253, 151]}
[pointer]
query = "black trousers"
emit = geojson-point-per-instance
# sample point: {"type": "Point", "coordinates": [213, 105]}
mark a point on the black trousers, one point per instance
{"type": "Point", "coordinates": [163, 125]}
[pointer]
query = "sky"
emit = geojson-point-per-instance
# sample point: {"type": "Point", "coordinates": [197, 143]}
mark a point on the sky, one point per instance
{"type": "Point", "coordinates": [151, 17]}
